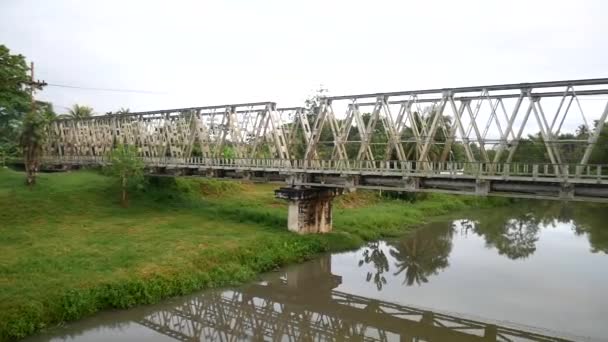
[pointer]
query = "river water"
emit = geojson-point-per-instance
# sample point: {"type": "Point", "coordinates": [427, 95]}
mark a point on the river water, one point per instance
{"type": "Point", "coordinates": [535, 272]}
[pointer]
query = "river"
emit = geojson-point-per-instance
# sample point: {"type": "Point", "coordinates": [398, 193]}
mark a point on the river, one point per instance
{"type": "Point", "coordinates": [533, 272]}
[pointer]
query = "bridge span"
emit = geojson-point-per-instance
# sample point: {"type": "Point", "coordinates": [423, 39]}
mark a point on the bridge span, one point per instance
{"type": "Point", "coordinates": [451, 140]}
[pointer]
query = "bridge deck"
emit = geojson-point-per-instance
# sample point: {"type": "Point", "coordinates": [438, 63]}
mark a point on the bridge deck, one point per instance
{"type": "Point", "coordinates": [569, 182]}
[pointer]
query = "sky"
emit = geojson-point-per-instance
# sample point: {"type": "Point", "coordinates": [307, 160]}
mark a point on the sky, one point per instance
{"type": "Point", "coordinates": [196, 53]}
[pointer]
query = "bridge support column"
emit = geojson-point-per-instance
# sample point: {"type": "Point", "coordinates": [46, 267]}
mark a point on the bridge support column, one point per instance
{"type": "Point", "coordinates": [482, 187]}
{"type": "Point", "coordinates": [309, 208]}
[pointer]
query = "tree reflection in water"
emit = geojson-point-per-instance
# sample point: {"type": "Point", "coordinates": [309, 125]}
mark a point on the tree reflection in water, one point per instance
{"type": "Point", "coordinates": [417, 256]}
{"type": "Point", "coordinates": [514, 237]}
{"type": "Point", "coordinates": [374, 254]}
{"type": "Point", "coordinates": [592, 222]}
{"type": "Point", "coordinates": [513, 231]}
{"type": "Point", "coordinates": [423, 253]}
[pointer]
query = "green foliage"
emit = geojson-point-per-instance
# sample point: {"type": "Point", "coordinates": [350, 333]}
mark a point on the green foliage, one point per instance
{"type": "Point", "coordinates": [127, 167]}
{"type": "Point", "coordinates": [600, 152]}
{"type": "Point", "coordinates": [208, 187]}
{"type": "Point", "coordinates": [14, 99]}
{"type": "Point", "coordinates": [68, 250]}
{"type": "Point", "coordinates": [46, 111]}
{"type": "Point", "coordinates": [228, 152]}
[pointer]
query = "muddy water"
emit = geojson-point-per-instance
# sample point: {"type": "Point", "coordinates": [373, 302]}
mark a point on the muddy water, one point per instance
{"type": "Point", "coordinates": [537, 272]}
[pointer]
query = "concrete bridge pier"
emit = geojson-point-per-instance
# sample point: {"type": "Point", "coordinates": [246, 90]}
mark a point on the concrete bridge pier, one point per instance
{"type": "Point", "coordinates": [310, 209]}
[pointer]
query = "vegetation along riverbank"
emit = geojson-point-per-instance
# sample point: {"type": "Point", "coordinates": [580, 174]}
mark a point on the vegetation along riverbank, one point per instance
{"type": "Point", "coordinates": [69, 249]}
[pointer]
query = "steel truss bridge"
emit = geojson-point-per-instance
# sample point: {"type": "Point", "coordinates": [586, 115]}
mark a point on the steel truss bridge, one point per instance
{"type": "Point", "coordinates": [453, 140]}
{"type": "Point", "coordinates": [280, 310]}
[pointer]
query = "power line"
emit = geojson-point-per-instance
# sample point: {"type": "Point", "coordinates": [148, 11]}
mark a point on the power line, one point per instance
{"type": "Point", "coordinates": [105, 89]}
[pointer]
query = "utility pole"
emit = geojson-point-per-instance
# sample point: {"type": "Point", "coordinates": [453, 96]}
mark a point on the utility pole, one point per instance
{"type": "Point", "coordinates": [34, 85]}
{"type": "Point", "coordinates": [33, 104]}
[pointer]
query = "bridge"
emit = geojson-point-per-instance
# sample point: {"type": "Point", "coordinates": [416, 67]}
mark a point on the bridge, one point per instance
{"type": "Point", "coordinates": [451, 140]}
{"type": "Point", "coordinates": [299, 307]}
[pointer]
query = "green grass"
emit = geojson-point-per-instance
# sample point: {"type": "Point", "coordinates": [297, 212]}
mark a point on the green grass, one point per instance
{"type": "Point", "coordinates": [68, 249]}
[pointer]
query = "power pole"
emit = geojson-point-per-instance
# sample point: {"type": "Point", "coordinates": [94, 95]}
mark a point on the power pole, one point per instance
{"type": "Point", "coordinates": [34, 85]}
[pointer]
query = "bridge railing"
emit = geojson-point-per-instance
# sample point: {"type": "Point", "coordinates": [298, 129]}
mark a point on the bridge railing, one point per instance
{"type": "Point", "coordinates": [528, 171]}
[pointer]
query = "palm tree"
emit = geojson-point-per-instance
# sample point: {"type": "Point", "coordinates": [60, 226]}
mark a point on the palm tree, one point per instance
{"type": "Point", "coordinates": [79, 112]}
{"type": "Point", "coordinates": [582, 131]}
{"type": "Point", "coordinates": [33, 136]}
{"type": "Point", "coordinates": [123, 110]}
{"type": "Point", "coordinates": [32, 143]}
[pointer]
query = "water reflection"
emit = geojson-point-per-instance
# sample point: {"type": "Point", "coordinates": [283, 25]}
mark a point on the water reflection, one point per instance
{"type": "Point", "coordinates": [592, 222]}
{"type": "Point", "coordinates": [373, 254]}
{"type": "Point", "coordinates": [514, 237]}
{"type": "Point", "coordinates": [514, 234]}
{"type": "Point", "coordinates": [422, 254]}
{"type": "Point", "coordinates": [300, 304]}
{"type": "Point", "coordinates": [416, 257]}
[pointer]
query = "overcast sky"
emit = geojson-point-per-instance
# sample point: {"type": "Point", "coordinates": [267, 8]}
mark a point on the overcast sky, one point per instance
{"type": "Point", "coordinates": [200, 52]}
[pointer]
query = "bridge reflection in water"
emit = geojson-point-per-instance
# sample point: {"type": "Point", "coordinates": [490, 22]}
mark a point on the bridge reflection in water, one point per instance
{"type": "Point", "coordinates": [302, 305]}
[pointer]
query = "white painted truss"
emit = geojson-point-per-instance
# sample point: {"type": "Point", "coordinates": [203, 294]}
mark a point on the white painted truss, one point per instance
{"type": "Point", "coordinates": [486, 122]}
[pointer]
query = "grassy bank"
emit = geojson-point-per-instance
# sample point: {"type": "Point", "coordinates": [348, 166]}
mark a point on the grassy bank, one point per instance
{"type": "Point", "coordinates": [68, 249]}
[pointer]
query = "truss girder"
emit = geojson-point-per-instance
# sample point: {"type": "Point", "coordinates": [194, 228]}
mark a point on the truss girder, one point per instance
{"type": "Point", "coordinates": [231, 131]}
{"type": "Point", "coordinates": [483, 124]}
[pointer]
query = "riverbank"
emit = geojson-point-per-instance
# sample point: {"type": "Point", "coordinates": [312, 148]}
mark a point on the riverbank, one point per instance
{"type": "Point", "coordinates": [69, 249]}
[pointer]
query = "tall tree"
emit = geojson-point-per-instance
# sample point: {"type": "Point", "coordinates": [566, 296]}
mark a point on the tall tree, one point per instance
{"type": "Point", "coordinates": [34, 132]}
{"type": "Point", "coordinates": [32, 141]}
{"type": "Point", "coordinates": [14, 99]}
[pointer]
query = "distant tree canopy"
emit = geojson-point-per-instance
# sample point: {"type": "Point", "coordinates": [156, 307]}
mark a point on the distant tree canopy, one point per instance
{"type": "Point", "coordinates": [78, 112]}
{"type": "Point", "coordinates": [123, 110]}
